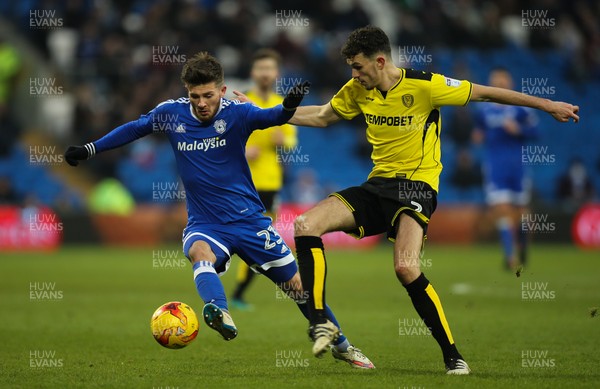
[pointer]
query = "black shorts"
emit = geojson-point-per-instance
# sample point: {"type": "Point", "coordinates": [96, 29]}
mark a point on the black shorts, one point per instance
{"type": "Point", "coordinates": [378, 203]}
{"type": "Point", "coordinates": [269, 199]}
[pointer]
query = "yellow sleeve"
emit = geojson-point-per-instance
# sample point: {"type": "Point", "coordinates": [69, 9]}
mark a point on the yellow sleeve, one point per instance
{"type": "Point", "coordinates": [289, 135]}
{"type": "Point", "coordinates": [343, 102]}
{"type": "Point", "coordinates": [448, 91]}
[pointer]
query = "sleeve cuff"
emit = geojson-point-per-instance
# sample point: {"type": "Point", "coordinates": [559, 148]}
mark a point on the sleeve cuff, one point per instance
{"type": "Point", "coordinates": [91, 149]}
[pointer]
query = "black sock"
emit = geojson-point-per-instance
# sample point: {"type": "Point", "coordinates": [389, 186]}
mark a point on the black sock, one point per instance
{"type": "Point", "coordinates": [242, 285]}
{"type": "Point", "coordinates": [429, 307]}
{"type": "Point", "coordinates": [313, 271]}
{"type": "Point", "coordinates": [522, 242]}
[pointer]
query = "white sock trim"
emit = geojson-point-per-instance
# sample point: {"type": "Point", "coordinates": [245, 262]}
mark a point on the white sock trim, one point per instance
{"type": "Point", "coordinates": [205, 267]}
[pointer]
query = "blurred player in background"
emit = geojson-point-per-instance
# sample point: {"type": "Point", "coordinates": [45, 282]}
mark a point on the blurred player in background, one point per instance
{"type": "Point", "coordinates": [505, 129]}
{"type": "Point", "coordinates": [208, 134]}
{"type": "Point", "coordinates": [401, 108]}
{"type": "Point", "coordinates": [261, 153]}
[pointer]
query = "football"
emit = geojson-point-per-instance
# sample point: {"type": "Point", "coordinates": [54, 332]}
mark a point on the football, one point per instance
{"type": "Point", "coordinates": [174, 325]}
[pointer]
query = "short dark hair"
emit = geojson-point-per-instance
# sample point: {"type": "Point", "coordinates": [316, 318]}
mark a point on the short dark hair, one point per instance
{"type": "Point", "coordinates": [266, 53]}
{"type": "Point", "coordinates": [201, 69]}
{"type": "Point", "coordinates": [368, 40]}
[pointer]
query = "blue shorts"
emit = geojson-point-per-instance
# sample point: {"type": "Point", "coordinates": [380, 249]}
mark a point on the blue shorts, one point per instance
{"type": "Point", "coordinates": [254, 240]}
{"type": "Point", "coordinates": [506, 185]}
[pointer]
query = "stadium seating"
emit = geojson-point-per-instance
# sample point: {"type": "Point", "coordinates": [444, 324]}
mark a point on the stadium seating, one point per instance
{"type": "Point", "coordinates": [347, 168]}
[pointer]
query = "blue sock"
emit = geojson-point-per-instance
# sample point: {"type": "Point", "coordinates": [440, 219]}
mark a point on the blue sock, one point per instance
{"type": "Point", "coordinates": [209, 285]}
{"type": "Point", "coordinates": [506, 237]}
{"type": "Point", "coordinates": [342, 340]}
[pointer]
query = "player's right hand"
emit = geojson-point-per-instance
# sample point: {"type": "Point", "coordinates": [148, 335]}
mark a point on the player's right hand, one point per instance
{"type": "Point", "coordinates": [74, 154]}
{"type": "Point", "coordinates": [563, 111]}
{"type": "Point", "coordinates": [295, 96]}
{"type": "Point", "coordinates": [239, 96]}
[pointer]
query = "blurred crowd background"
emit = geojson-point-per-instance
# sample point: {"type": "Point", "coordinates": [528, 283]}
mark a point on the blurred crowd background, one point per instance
{"type": "Point", "coordinates": [97, 58]}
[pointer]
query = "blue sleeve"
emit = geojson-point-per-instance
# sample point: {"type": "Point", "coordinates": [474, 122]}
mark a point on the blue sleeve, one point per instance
{"type": "Point", "coordinates": [478, 118]}
{"type": "Point", "coordinates": [258, 118]}
{"type": "Point", "coordinates": [528, 120]}
{"type": "Point", "coordinates": [124, 134]}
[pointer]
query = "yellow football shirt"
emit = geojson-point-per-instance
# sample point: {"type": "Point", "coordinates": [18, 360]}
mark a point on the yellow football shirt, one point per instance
{"type": "Point", "coordinates": [404, 125]}
{"type": "Point", "coordinates": [267, 172]}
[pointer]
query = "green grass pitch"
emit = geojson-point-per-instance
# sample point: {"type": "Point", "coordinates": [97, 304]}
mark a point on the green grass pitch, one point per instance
{"type": "Point", "coordinates": [86, 324]}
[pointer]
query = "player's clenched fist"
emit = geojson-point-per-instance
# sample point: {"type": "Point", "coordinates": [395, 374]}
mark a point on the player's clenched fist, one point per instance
{"type": "Point", "coordinates": [295, 95]}
{"type": "Point", "coordinates": [74, 154]}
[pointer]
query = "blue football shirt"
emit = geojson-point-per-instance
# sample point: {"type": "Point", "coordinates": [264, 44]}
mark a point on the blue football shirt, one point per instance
{"type": "Point", "coordinates": [210, 155]}
{"type": "Point", "coordinates": [503, 150]}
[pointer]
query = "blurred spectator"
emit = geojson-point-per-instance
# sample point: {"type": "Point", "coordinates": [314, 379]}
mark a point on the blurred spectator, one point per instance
{"type": "Point", "coordinates": [575, 186]}
{"type": "Point", "coordinates": [109, 196]}
{"type": "Point", "coordinates": [7, 193]}
{"type": "Point", "coordinates": [10, 66]}
{"type": "Point", "coordinates": [102, 54]}
{"type": "Point", "coordinates": [9, 132]}
{"type": "Point", "coordinates": [307, 189]}
{"type": "Point", "coordinates": [467, 174]}
{"type": "Point", "coordinates": [460, 126]}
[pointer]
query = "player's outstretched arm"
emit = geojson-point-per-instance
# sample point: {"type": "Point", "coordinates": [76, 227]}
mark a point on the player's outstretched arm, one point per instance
{"type": "Point", "coordinates": [308, 115]}
{"type": "Point", "coordinates": [257, 118]}
{"type": "Point", "coordinates": [559, 110]}
{"type": "Point", "coordinates": [118, 137]}
{"type": "Point", "coordinates": [315, 116]}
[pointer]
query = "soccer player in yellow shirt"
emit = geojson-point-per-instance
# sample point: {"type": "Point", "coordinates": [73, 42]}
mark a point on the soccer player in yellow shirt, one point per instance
{"type": "Point", "coordinates": [262, 152]}
{"type": "Point", "coordinates": [401, 108]}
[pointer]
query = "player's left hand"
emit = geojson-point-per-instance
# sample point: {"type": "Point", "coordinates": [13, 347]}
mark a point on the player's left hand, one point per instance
{"type": "Point", "coordinates": [563, 111]}
{"type": "Point", "coordinates": [74, 154]}
{"type": "Point", "coordinates": [295, 96]}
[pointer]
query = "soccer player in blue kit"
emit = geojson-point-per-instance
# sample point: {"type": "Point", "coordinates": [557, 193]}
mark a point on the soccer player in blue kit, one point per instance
{"type": "Point", "coordinates": [208, 134]}
{"type": "Point", "coordinates": [506, 129]}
